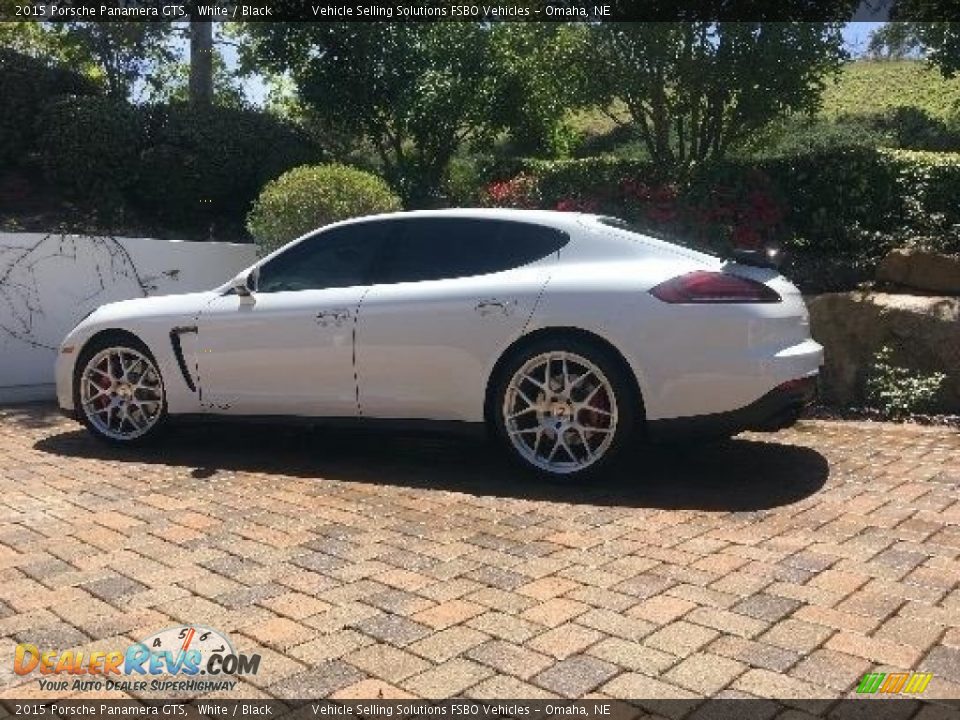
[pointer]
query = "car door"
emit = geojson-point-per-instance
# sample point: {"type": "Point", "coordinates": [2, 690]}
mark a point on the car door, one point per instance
{"type": "Point", "coordinates": [288, 347]}
{"type": "Point", "coordinates": [449, 295]}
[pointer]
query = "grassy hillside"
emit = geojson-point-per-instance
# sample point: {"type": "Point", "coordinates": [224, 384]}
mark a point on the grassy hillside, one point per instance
{"type": "Point", "coordinates": [854, 106]}
{"type": "Point", "coordinates": [866, 87]}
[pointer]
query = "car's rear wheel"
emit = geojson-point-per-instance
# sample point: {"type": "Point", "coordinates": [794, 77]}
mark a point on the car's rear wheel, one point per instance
{"type": "Point", "coordinates": [565, 408]}
{"type": "Point", "coordinates": [119, 391]}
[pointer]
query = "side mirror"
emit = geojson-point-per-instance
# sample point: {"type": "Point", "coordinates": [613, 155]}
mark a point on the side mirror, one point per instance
{"type": "Point", "coordinates": [242, 284]}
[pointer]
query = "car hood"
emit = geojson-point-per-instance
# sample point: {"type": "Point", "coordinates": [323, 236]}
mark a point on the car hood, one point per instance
{"type": "Point", "coordinates": [187, 305]}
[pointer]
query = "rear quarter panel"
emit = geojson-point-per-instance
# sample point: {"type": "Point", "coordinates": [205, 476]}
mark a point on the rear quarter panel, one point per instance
{"type": "Point", "coordinates": [610, 299]}
{"type": "Point", "coordinates": [689, 360]}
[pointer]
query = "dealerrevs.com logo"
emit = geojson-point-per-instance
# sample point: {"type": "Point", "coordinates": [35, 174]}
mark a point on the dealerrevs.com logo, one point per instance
{"type": "Point", "coordinates": [172, 660]}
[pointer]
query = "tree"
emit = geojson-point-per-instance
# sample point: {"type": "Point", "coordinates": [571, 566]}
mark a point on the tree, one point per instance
{"type": "Point", "coordinates": [33, 39]}
{"type": "Point", "coordinates": [115, 54]}
{"type": "Point", "coordinates": [415, 91]}
{"type": "Point", "coordinates": [942, 40]}
{"type": "Point", "coordinates": [541, 71]}
{"type": "Point", "coordinates": [121, 53]}
{"type": "Point", "coordinates": [894, 41]}
{"type": "Point", "coordinates": [693, 89]}
{"type": "Point", "coordinates": [282, 99]}
{"type": "Point", "coordinates": [201, 62]}
{"type": "Point", "coordinates": [171, 85]}
{"type": "Point", "coordinates": [939, 42]}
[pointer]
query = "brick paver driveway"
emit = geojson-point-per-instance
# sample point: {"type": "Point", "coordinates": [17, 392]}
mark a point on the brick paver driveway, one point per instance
{"type": "Point", "coordinates": [784, 565]}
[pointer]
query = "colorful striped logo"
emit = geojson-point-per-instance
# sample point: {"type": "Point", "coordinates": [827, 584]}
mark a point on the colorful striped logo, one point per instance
{"type": "Point", "coordinates": [892, 683]}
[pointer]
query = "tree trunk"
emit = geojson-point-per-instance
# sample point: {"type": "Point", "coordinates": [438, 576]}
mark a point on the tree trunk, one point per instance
{"type": "Point", "coordinates": [201, 63]}
{"type": "Point", "coordinates": [660, 120]}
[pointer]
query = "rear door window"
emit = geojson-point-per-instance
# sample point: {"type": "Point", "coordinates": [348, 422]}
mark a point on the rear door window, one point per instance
{"type": "Point", "coordinates": [440, 248]}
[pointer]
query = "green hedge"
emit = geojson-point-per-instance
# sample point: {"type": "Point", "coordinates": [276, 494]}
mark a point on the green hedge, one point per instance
{"type": "Point", "coordinates": [26, 86]}
{"type": "Point", "coordinates": [837, 212]}
{"type": "Point", "coordinates": [173, 168]}
{"type": "Point", "coordinates": [203, 166]}
{"type": "Point", "coordinates": [168, 169]}
{"type": "Point", "coordinates": [88, 149]}
{"type": "Point", "coordinates": [933, 181]}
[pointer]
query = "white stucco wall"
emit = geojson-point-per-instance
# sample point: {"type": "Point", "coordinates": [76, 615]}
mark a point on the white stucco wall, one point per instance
{"type": "Point", "coordinates": [49, 281]}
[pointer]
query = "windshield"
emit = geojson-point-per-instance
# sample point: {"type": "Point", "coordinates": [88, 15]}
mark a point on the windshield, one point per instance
{"type": "Point", "coordinates": [637, 229]}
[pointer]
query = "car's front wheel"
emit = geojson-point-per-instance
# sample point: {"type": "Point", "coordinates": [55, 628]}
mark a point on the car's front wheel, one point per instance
{"type": "Point", "coordinates": [565, 408]}
{"type": "Point", "coordinates": [119, 391]}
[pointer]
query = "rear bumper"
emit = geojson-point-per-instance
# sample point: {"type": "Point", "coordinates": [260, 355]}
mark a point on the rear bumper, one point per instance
{"type": "Point", "coordinates": [778, 409]}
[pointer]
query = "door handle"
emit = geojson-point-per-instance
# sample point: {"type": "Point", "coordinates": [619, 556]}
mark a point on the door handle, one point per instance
{"type": "Point", "coordinates": [493, 306]}
{"type": "Point", "coordinates": [335, 316]}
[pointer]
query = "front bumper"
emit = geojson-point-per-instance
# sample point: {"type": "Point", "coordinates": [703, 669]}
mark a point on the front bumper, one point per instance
{"type": "Point", "coordinates": [63, 372]}
{"type": "Point", "coordinates": [778, 409]}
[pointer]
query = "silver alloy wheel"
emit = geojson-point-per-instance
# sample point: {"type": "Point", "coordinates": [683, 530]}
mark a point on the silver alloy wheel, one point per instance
{"type": "Point", "coordinates": [121, 393]}
{"type": "Point", "coordinates": [560, 412]}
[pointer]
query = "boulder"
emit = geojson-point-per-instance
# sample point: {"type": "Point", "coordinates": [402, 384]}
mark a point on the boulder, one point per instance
{"type": "Point", "coordinates": [924, 332]}
{"type": "Point", "coordinates": [921, 270]}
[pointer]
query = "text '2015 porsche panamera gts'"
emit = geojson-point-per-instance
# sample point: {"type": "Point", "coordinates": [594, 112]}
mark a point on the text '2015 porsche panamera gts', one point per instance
{"type": "Point", "coordinates": [571, 336]}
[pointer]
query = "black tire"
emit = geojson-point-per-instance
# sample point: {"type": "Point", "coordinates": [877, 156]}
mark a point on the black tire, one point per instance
{"type": "Point", "coordinates": [628, 405]}
{"type": "Point", "coordinates": [134, 345]}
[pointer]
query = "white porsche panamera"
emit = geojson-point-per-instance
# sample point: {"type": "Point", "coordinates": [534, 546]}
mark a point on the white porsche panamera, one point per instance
{"type": "Point", "coordinates": [570, 335]}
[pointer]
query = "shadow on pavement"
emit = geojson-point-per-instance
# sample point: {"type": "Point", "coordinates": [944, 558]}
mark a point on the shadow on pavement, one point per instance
{"type": "Point", "coordinates": [737, 475]}
{"type": "Point", "coordinates": [38, 415]}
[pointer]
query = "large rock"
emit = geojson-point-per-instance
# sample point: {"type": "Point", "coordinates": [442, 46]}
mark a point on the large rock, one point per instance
{"type": "Point", "coordinates": [924, 332]}
{"type": "Point", "coordinates": [921, 270]}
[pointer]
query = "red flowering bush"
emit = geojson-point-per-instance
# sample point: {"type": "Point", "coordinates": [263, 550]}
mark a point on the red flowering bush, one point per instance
{"type": "Point", "coordinates": [741, 211]}
{"type": "Point", "coordinates": [736, 209]}
{"type": "Point", "coordinates": [578, 204]}
{"type": "Point", "coordinates": [634, 189]}
{"type": "Point", "coordinates": [660, 204]}
{"type": "Point", "coordinates": [522, 191]}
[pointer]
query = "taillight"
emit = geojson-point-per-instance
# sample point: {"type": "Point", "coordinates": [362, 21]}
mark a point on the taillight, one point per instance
{"type": "Point", "coordinates": [714, 287]}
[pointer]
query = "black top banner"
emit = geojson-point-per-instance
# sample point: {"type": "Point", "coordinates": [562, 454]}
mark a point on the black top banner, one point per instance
{"type": "Point", "coordinates": [483, 11]}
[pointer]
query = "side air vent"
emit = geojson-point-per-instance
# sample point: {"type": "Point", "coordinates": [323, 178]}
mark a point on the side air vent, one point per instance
{"type": "Point", "coordinates": [175, 334]}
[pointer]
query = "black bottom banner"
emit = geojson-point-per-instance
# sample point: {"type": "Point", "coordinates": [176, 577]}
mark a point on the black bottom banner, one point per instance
{"type": "Point", "coordinates": [867, 708]}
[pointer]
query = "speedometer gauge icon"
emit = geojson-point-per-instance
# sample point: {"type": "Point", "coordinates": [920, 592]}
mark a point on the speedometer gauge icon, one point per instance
{"type": "Point", "coordinates": [184, 638]}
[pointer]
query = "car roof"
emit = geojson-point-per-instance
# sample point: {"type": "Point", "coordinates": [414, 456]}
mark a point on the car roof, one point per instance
{"type": "Point", "coordinates": [553, 218]}
{"type": "Point", "coordinates": [570, 222]}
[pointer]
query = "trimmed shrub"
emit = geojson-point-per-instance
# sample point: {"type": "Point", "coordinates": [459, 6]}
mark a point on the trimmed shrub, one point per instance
{"type": "Point", "coordinates": [26, 85]}
{"type": "Point", "coordinates": [89, 149]}
{"type": "Point", "coordinates": [312, 196]}
{"type": "Point", "coordinates": [929, 183]}
{"type": "Point", "coordinates": [932, 183]}
{"type": "Point", "coordinates": [205, 166]}
{"type": "Point", "coordinates": [828, 193]}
